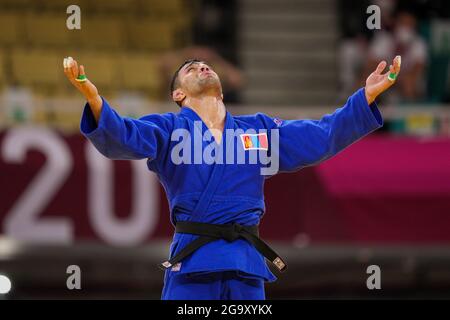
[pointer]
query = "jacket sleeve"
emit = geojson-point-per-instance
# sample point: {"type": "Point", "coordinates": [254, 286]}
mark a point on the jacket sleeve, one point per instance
{"type": "Point", "coordinates": [308, 142]}
{"type": "Point", "coordinates": [118, 137]}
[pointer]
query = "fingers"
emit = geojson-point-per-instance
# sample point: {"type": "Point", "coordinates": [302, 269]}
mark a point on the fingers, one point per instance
{"type": "Point", "coordinates": [381, 66]}
{"type": "Point", "coordinates": [72, 72]}
{"type": "Point", "coordinates": [67, 63]}
{"type": "Point", "coordinates": [396, 64]}
{"type": "Point", "coordinates": [77, 77]}
{"type": "Point", "coordinates": [379, 82]}
{"type": "Point", "coordinates": [66, 68]}
{"type": "Point", "coordinates": [82, 70]}
{"type": "Point", "coordinates": [74, 68]}
{"type": "Point", "coordinates": [394, 69]}
{"type": "Point", "coordinates": [71, 69]}
{"type": "Point", "coordinates": [82, 76]}
{"type": "Point", "coordinates": [391, 69]}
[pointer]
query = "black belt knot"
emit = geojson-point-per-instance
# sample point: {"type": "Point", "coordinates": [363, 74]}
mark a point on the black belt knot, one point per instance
{"type": "Point", "coordinates": [230, 232]}
{"type": "Point", "coordinates": [233, 233]}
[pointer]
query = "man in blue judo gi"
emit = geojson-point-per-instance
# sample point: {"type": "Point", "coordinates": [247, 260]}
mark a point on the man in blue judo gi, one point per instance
{"type": "Point", "coordinates": [213, 165]}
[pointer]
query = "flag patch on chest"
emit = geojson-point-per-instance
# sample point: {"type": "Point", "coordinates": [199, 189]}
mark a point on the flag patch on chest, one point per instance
{"type": "Point", "coordinates": [254, 141]}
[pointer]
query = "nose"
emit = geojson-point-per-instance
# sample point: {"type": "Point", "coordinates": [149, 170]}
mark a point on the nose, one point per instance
{"type": "Point", "coordinates": [204, 68]}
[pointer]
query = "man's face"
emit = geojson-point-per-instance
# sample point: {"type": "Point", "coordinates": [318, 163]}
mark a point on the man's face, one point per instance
{"type": "Point", "coordinates": [197, 77]}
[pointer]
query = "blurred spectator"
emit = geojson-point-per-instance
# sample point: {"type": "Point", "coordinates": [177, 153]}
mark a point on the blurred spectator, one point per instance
{"type": "Point", "coordinates": [216, 27]}
{"type": "Point", "coordinates": [353, 48]}
{"type": "Point", "coordinates": [351, 57]}
{"type": "Point", "coordinates": [404, 40]}
{"type": "Point", "coordinates": [18, 102]}
{"type": "Point", "coordinates": [231, 76]}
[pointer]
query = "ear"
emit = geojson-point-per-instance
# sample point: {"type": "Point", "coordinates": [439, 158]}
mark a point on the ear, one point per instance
{"type": "Point", "coordinates": [221, 96]}
{"type": "Point", "coordinates": [178, 95]}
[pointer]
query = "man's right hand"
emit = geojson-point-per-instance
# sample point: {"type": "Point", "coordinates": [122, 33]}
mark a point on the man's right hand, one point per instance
{"type": "Point", "coordinates": [87, 88]}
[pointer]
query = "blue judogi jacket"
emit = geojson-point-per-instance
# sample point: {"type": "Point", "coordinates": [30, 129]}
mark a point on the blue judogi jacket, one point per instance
{"type": "Point", "coordinates": [224, 193]}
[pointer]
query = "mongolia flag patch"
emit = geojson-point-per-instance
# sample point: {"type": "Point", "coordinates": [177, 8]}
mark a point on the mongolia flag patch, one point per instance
{"type": "Point", "coordinates": [255, 141]}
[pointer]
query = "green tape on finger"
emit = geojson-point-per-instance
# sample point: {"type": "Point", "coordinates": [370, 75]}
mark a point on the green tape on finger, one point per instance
{"type": "Point", "coordinates": [81, 78]}
{"type": "Point", "coordinates": [392, 76]}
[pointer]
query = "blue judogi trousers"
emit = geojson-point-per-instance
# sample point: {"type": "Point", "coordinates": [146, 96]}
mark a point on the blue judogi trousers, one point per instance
{"type": "Point", "coordinates": [227, 285]}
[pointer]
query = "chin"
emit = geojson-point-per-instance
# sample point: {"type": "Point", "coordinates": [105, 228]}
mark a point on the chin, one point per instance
{"type": "Point", "coordinates": [210, 84]}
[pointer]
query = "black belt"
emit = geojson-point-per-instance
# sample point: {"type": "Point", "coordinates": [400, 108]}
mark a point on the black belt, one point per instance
{"type": "Point", "coordinates": [230, 232]}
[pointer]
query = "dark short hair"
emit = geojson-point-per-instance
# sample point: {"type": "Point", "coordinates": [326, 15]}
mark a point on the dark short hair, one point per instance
{"type": "Point", "coordinates": [175, 84]}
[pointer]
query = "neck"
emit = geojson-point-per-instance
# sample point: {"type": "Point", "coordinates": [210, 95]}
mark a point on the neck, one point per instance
{"type": "Point", "coordinates": [210, 109]}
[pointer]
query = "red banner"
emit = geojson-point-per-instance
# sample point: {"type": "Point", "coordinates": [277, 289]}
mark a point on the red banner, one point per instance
{"type": "Point", "coordinates": [57, 188]}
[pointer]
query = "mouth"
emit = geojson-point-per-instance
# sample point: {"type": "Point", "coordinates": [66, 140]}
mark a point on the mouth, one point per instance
{"type": "Point", "coordinates": [206, 74]}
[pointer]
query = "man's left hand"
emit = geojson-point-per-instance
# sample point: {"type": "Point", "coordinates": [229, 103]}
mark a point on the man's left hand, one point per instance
{"type": "Point", "coordinates": [378, 82]}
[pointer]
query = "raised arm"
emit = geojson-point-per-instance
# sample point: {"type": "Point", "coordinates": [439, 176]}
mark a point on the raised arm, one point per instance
{"type": "Point", "coordinates": [86, 87]}
{"type": "Point", "coordinates": [118, 137]}
{"type": "Point", "coordinates": [308, 142]}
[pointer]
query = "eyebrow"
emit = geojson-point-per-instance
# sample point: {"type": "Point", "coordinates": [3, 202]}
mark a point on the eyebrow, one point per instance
{"type": "Point", "coordinates": [193, 62]}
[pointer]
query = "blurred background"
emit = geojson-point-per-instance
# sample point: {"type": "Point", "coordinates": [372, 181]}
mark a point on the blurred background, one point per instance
{"type": "Point", "coordinates": [384, 201]}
